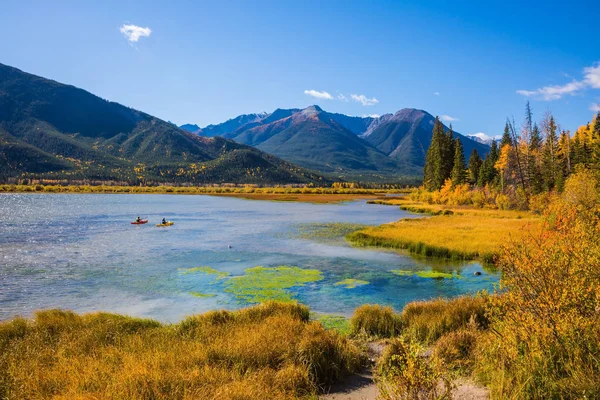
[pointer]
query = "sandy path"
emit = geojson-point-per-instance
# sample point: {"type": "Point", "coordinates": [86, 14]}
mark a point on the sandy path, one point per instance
{"type": "Point", "coordinates": [362, 387]}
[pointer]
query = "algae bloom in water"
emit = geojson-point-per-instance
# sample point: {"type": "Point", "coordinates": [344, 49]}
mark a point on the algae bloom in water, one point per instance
{"type": "Point", "coordinates": [202, 295]}
{"type": "Point", "coordinates": [425, 274]}
{"type": "Point", "coordinates": [260, 284]}
{"type": "Point", "coordinates": [351, 283]}
{"type": "Point", "coordinates": [204, 270]}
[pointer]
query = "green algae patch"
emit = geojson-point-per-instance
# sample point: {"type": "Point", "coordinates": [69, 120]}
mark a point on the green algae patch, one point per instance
{"type": "Point", "coordinates": [204, 270]}
{"type": "Point", "coordinates": [426, 274]}
{"type": "Point", "coordinates": [202, 295]}
{"type": "Point", "coordinates": [261, 284]}
{"type": "Point", "coordinates": [351, 283]}
{"type": "Point", "coordinates": [337, 323]}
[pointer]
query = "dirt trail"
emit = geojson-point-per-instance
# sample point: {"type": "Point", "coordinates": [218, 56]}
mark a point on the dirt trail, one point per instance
{"type": "Point", "coordinates": [362, 387]}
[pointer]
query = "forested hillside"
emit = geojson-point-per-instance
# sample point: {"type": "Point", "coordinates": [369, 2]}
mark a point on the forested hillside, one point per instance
{"type": "Point", "coordinates": [55, 131]}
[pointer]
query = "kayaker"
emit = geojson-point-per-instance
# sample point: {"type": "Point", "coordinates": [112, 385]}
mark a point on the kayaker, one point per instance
{"type": "Point", "coordinates": [164, 221]}
{"type": "Point", "coordinates": [138, 219]}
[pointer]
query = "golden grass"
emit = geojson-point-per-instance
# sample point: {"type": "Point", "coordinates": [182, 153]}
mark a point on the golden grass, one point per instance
{"type": "Point", "coordinates": [284, 193]}
{"type": "Point", "coordinates": [463, 233]}
{"type": "Point", "coordinates": [271, 351]}
{"type": "Point", "coordinates": [375, 321]}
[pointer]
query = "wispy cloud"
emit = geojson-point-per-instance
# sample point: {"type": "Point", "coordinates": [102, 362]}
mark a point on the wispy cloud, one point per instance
{"type": "Point", "coordinates": [592, 76]}
{"type": "Point", "coordinates": [364, 100]}
{"type": "Point", "coordinates": [447, 118]}
{"type": "Point", "coordinates": [591, 79]}
{"type": "Point", "coordinates": [436, 93]}
{"type": "Point", "coordinates": [549, 93]}
{"type": "Point", "coordinates": [371, 115]}
{"type": "Point", "coordinates": [319, 95]}
{"type": "Point", "coordinates": [341, 97]}
{"type": "Point", "coordinates": [595, 107]}
{"type": "Point", "coordinates": [133, 33]}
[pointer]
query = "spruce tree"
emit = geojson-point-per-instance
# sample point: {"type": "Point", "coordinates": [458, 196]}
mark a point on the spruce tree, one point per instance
{"type": "Point", "coordinates": [549, 154]}
{"type": "Point", "coordinates": [535, 139]}
{"type": "Point", "coordinates": [432, 178]}
{"type": "Point", "coordinates": [506, 139]}
{"type": "Point", "coordinates": [474, 167]}
{"type": "Point", "coordinates": [447, 155]}
{"type": "Point", "coordinates": [534, 177]}
{"type": "Point", "coordinates": [459, 173]}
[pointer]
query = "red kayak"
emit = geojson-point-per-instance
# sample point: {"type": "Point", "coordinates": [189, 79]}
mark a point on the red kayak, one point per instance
{"type": "Point", "coordinates": [142, 222]}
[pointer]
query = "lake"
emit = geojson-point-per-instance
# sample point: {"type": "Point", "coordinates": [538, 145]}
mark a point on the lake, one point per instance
{"type": "Point", "coordinates": [80, 252]}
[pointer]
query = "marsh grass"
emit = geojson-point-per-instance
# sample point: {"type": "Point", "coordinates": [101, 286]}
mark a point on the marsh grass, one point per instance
{"type": "Point", "coordinates": [270, 351]}
{"type": "Point", "coordinates": [375, 321]}
{"type": "Point", "coordinates": [471, 234]}
{"type": "Point", "coordinates": [427, 321]}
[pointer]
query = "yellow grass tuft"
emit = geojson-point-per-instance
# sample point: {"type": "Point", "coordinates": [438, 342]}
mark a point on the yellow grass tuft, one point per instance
{"type": "Point", "coordinates": [270, 351]}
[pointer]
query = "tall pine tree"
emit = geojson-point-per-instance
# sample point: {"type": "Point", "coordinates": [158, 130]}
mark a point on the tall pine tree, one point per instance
{"type": "Point", "coordinates": [432, 175]}
{"type": "Point", "coordinates": [474, 166]}
{"type": "Point", "coordinates": [459, 170]}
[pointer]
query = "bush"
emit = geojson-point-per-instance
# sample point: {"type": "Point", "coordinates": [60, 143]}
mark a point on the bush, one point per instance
{"type": "Point", "coordinates": [427, 321]}
{"type": "Point", "coordinates": [547, 322]}
{"type": "Point", "coordinates": [403, 373]}
{"type": "Point", "coordinates": [375, 320]}
{"type": "Point", "coordinates": [457, 349]}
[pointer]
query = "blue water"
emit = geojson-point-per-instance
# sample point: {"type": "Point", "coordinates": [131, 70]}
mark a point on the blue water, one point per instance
{"type": "Point", "coordinates": [80, 252]}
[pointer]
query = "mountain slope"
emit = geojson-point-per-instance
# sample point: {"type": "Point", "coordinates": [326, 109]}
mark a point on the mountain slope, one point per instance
{"type": "Point", "coordinates": [406, 136]}
{"type": "Point", "coordinates": [315, 139]}
{"type": "Point", "coordinates": [52, 130]}
{"type": "Point", "coordinates": [403, 138]}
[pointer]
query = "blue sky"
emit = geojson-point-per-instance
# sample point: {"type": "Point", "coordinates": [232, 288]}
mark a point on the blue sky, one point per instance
{"type": "Point", "coordinates": [204, 62]}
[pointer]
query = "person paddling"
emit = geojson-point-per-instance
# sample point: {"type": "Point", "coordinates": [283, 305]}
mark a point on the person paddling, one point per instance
{"type": "Point", "coordinates": [138, 219]}
{"type": "Point", "coordinates": [164, 221]}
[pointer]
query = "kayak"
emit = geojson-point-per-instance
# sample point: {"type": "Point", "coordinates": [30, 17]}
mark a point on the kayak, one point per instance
{"type": "Point", "coordinates": [142, 222]}
{"type": "Point", "coordinates": [168, 223]}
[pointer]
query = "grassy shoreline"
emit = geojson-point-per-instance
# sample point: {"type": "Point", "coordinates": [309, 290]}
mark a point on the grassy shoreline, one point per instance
{"type": "Point", "coordinates": [300, 194]}
{"type": "Point", "coordinates": [462, 233]}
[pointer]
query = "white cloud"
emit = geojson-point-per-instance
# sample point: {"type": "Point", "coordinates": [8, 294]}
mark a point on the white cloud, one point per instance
{"type": "Point", "coordinates": [364, 100]}
{"type": "Point", "coordinates": [341, 97]}
{"type": "Point", "coordinates": [595, 107]}
{"type": "Point", "coordinates": [591, 79]}
{"type": "Point", "coordinates": [436, 93]}
{"type": "Point", "coordinates": [549, 93]}
{"type": "Point", "coordinates": [133, 33]}
{"type": "Point", "coordinates": [371, 115]}
{"type": "Point", "coordinates": [592, 76]}
{"type": "Point", "coordinates": [447, 118]}
{"type": "Point", "coordinates": [319, 95]}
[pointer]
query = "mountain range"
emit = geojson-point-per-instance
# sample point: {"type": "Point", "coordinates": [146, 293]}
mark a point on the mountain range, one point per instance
{"type": "Point", "coordinates": [56, 131]}
{"type": "Point", "coordinates": [337, 144]}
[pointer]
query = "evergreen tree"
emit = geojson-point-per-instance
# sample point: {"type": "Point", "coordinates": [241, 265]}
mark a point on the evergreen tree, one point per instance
{"type": "Point", "coordinates": [487, 172]}
{"type": "Point", "coordinates": [474, 166]}
{"type": "Point", "coordinates": [534, 176]}
{"type": "Point", "coordinates": [535, 139]}
{"type": "Point", "coordinates": [459, 173]}
{"type": "Point", "coordinates": [433, 176]}
{"type": "Point", "coordinates": [550, 165]}
{"type": "Point", "coordinates": [447, 154]}
{"type": "Point", "coordinates": [506, 139]}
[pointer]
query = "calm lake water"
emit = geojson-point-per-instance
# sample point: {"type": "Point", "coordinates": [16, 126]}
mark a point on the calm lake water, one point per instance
{"type": "Point", "coordinates": [80, 252]}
